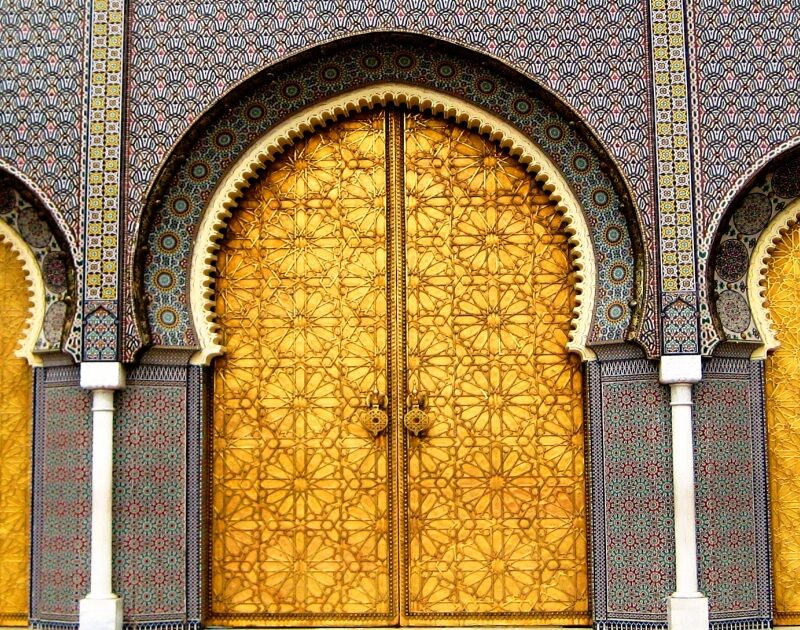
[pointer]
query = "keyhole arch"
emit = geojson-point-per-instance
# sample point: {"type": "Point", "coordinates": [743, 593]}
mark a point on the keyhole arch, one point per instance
{"type": "Point", "coordinates": [230, 189]}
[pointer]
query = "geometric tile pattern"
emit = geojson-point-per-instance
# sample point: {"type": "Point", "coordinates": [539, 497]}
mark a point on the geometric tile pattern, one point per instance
{"type": "Point", "coordinates": [673, 172]}
{"type": "Point", "coordinates": [100, 332]}
{"type": "Point", "coordinates": [732, 523]}
{"type": "Point", "coordinates": [288, 90]}
{"type": "Point", "coordinates": [631, 488]}
{"type": "Point", "coordinates": [182, 61]}
{"type": "Point", "coordinates": [61, 495]}
{"type": "Point", "coordinates": [149, 495]}
{"type": "Point", "coordinates": [746, 105]}
{"type": "Point", "coordinates": [740, 233]}
{"type": "Point", "coordinates": [745, 112]}
{"type": "Point", "coordinates": [103, 165]}
{"type": "Point", "coordinates": [41, 95]}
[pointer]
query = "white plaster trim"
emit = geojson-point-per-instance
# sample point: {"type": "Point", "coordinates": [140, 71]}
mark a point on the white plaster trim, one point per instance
{"type": "Point", "coordinates": [102, 375]}
{"type": "Point", "coordinates": [36, 294]}
{"type": "Point", "coordinates": [683, 368]}
{"type": "Point", "coordinates": [757, 276]}
{"type": "Point", "coordinates": [231, 186]}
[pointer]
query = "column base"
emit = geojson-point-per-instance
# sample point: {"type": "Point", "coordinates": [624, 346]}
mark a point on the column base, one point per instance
{"type": "Point", "coordinates": [687, 613]}
{"type": "Point", "coordinates": [101, 614]}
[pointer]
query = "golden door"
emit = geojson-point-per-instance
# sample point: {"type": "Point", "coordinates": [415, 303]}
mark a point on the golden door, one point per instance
{"type": "Point", "coordinates": [398, 428]}
{"type": "Point", "coordinates": [15, 438]}
{"type": "Point", "coordinates": [783, 424]}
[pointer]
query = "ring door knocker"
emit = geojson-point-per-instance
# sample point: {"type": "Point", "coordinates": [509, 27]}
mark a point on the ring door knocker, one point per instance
{"type": "Point", "coordinates": [417, 421]}
{"type": "Point", "coordinates": [373, 417]}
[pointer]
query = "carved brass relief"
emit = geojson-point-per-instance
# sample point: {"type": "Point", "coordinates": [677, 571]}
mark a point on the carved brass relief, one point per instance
{"type": "Point", "coordinates": [782, 371]}
{"type": "Point", "coordinates": [15, 436]}
{"type": "Point", "coordinates": [400, 256]}
{"type": "Point", "coordinates": [496, 488]}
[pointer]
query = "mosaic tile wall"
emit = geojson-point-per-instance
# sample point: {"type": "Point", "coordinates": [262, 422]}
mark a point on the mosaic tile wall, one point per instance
{"type": "Point", "coordinates": [182, 60]}
{"type": "Point", "coordinates": [41, 100]}
{"type": "Point", "coordinates": [745, 107]}
{"type": "Point", "coordinates": [158, 495]}
{"type": "Point", "coordinates": [149, 495]}
{"type": "Point", "coordinates": [747, 102]}
{"type": "Point", "coordinates": [61, 496]}
{"type": "Point", "coordinates": [103, 179]}
{"type": "Point", "coordinates": [673, 169]}
{"type": "Point", "coordinates": [631, 493]}
{"type": "Point", "coordinates": [731, 499]}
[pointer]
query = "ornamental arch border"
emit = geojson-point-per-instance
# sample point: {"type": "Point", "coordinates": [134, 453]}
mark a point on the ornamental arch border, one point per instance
{"type": "Point", "coordinates": [36, 294]}
{"type": "Point", "coordinates": [757, 273]}
{"type": "Point", "coordinates": [225, 197]}
{"type": "Point", "coordinates": [35, 229]}
{"type": "Point", "coordinates": [754, 223]}
{"type": "Point", "coordinates": [433, 74]}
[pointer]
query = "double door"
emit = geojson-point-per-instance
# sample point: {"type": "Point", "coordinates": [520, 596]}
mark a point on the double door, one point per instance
{"type": "Point", "coordinates": [398, 428]}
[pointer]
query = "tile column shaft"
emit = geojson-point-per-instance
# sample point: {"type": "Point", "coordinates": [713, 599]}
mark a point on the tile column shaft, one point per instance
{"type": "Point", "coordinates": [102, 489]}
{"type": "Point", "coordinates": [683, 489]}
{"type": "Point", "coordinates": [101, 609]}
{"type": "Point", "coordinates": [687, 607]}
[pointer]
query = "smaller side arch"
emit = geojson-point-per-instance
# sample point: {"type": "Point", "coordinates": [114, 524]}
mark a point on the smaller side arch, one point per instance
{"type": "Point", "coordinates": [34, 223]}
{"type": "Point", "coordinates": [757, 272]}
{"type": "Point", "coordinates": [35, 290]}
{"type": "Point", "coordinates": [758, 219]}
{"type": "Point", "coordinates": [264, 150]}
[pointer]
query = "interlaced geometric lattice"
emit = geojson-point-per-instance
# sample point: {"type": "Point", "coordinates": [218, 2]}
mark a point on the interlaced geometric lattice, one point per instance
{"type": "Point", "coordinates": [782, 373]}
{"type": "Point", "coordinates": [300, 522]}
{"type": "Point", "coordinates": [496, 488]}
{"type": "Point", "coordinates": [15, 436]}
{"type": "Point", "coordinates": [486, 509]}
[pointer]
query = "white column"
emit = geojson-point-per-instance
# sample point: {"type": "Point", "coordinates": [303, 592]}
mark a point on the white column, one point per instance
{"type": "Point", "coordinates": [687, 607]}
{"type": "Point", "coordinates": [101, 609]}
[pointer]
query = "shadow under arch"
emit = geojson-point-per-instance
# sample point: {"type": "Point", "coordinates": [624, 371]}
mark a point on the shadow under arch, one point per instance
{"type": "Point", "coordinates": [190, 175]}
{"type": "Point", "coordinates": [36, 230]}
{"type": "Point", "coordinates": [756, 219]}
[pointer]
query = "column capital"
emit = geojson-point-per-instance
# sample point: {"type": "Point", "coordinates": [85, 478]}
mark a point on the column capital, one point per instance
{"type": "Point", "coordinates": [680, 368]}
{"type": "Point", "coordinates": [102, 375]}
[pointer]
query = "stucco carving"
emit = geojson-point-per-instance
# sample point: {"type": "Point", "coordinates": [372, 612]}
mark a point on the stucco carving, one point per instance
{"type": "Point", "coordinates": [756, 275]}
{"type": "Point", "coordinates": [36, 293]}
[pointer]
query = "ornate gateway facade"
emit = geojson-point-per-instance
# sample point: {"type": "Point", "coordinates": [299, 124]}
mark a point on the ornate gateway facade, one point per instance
{"type": "Point", "coordinates": [340, 314]}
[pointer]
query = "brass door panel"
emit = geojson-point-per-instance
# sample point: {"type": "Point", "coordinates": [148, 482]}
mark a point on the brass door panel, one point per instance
{"type": "Point", "coordinates": [301, 521]}
{"type": "Point", "coordinates": [15, 436]}
{"type": "Point", "coordinates": [495, 488]}
{"type": "Point", "coordinates": [393, 252]}
{"type": "Point", "coordinates": [782, 371]}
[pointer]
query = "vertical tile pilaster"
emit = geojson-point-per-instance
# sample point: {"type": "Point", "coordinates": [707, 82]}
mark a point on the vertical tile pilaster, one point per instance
{"type": "Point", "coordinates": [102, 183]}
{"type": "Point", "coordinates": [674, 177]}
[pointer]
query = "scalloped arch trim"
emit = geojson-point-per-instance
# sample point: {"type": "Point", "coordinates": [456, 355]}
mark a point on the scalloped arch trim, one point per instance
{"type": "Point", "coordinates": [35, 291]}
{"type": "Point", "coordinates": [757, 273]}
{"type": "Point", "coordinates": [264, 150]}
